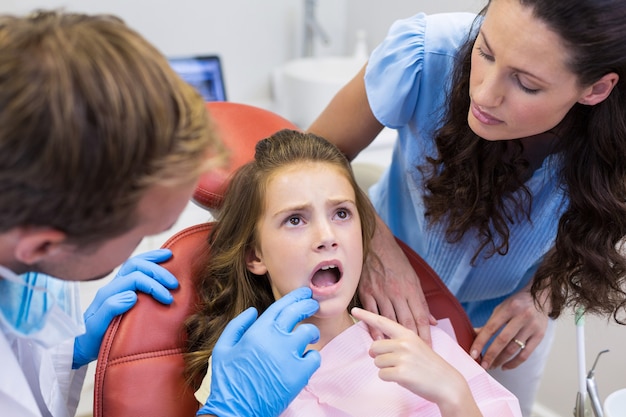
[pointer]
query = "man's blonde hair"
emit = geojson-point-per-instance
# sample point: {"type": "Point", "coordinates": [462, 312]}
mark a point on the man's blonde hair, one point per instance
{"type": "Point", "coordinates": [91, 115]}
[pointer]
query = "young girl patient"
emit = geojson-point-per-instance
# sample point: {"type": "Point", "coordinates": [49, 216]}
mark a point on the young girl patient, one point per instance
{"type": "Point", "coordinates": [295, 217]}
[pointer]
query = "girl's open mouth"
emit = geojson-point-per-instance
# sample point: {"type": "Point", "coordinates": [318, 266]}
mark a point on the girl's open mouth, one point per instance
{"type": "Point", "coordinates": [326, 276]}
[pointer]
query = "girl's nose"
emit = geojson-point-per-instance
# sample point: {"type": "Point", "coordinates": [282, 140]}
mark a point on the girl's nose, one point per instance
{"type": "Point", "coordinates": [326, 237]}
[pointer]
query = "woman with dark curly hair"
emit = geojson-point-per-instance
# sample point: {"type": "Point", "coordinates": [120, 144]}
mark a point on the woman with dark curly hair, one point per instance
{"type": "Point", "coordinates": [507, 175]}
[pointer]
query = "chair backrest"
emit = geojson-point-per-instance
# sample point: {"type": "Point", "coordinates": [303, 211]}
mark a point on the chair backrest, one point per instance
{"type": "Point", "coordinates": [240, 127]}
{"type": "Point", "coordinates": [140, 366]}
{"type": "Point", "coordinates": [139, 371]}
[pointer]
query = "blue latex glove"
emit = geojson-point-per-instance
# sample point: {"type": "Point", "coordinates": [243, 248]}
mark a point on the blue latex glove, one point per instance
{"type": "Point", "coordinates": [260, 366]}
{"type": "Point", "coordinates": [139, 273]}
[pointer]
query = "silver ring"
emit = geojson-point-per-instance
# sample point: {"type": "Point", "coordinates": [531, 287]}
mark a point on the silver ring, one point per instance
{"type": "Point", "coordinates": [519, 343]}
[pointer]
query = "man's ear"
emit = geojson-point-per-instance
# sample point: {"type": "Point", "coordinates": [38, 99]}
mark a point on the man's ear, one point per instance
{"type": "Point", "coordinates": [254, 263]}
{"type": "Point", "coordinates": [599, 90]}
{"type": "Point", "coordinates": [35, 244]}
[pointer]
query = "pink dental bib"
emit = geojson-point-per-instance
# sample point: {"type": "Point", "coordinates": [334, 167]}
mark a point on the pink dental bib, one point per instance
{"type": "Point", "coordinates": [347, 383]}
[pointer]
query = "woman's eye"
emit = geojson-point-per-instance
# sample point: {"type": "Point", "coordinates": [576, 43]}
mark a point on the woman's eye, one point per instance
{"type": "Point", "coordinates": [484, 54]}
{"type": "Point", "coordinates": [526, 89]}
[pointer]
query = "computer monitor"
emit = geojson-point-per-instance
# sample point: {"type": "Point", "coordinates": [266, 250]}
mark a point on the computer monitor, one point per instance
{"type": "Point", "coordinates": [204, 73]}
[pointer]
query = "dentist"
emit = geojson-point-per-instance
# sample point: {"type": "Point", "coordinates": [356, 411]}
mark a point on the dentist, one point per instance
{"type": "Point", "coordinates": [101, 144]}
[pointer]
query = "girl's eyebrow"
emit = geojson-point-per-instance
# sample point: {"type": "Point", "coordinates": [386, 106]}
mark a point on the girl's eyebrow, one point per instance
{"type": "Point", "coordinates": [304, 206]}
{"type": "Point", "coordinates": [519, 70]}
{"type": "Point", "coordinates": [294, 208]}
{"type": "Point", "coordinates": [337, 201]}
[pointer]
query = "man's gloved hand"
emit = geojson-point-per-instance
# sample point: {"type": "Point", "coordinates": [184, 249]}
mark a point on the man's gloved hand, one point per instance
{"type": "Point", "coordinates": [260, 366]}
{"type": "Point", "coordinates": [139, 273]}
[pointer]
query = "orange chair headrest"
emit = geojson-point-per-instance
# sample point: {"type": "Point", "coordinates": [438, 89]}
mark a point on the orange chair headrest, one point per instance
{"type": "Point", "coordinates": [240, 127]}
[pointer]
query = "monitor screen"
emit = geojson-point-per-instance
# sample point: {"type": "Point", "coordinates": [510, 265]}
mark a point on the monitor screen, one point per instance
{"type": "Point", "coordinates": [204, 73]}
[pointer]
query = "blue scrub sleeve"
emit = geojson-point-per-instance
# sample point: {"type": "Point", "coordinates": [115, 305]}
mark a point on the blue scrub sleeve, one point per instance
{"type": "Point", "coordinates": [393, 72]}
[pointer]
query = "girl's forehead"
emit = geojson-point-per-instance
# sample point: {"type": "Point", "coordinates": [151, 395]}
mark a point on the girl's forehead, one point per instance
{"type": "Point", "coordinates": [304, 166]}
{"type": "Point", "coordinates": [307, 178]}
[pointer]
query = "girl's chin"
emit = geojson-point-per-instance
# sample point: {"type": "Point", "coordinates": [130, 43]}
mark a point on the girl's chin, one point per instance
{"type": "Point", "coordinates": [329, 310]}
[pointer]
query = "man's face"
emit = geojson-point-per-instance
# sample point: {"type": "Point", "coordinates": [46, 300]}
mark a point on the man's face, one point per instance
{"type": "Point", "coordinates": [158, 210]}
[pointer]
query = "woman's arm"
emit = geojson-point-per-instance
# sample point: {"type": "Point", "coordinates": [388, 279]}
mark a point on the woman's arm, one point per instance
{"type": "Point", "coordinates": [348, 121]}
{"type": "Point", "coordinates": [389, 286]}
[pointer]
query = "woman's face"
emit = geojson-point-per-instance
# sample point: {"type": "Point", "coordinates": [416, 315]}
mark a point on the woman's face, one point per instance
{"type": "Point", "coordinates": [310, 235]}
{"type": "Point", "coordinates": [520, 85]}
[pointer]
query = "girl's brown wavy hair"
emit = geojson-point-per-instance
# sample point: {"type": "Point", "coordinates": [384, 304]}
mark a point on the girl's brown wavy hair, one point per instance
{"type": "Point", "coordinates": [225, 286]}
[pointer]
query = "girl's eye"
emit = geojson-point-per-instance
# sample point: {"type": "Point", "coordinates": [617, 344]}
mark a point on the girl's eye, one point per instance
{"type": "Point", "coordinates": [294, 220]}
{"type": "Point", "coordinates": [343, 214]}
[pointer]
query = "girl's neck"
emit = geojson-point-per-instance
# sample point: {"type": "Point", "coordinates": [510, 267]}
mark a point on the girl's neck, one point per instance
{"type": "Point", "coordinates": [329, 328]}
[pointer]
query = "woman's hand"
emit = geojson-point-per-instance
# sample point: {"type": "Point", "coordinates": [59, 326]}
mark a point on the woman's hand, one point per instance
{"type": "Point", "coordinates": [523, 326]}
{"type": "Point", "coordinates": [407, 360]}
{"type": "Point", "coordinates": [390, 287]}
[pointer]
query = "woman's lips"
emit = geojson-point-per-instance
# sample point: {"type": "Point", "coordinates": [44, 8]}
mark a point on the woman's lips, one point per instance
{"type": "Point", "coordinates": [483, 117]}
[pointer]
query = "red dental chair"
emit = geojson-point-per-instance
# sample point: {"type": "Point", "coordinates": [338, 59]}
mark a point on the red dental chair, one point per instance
{"type": "Point", "coordinates": [240, 127]}
{"type": "Point", "coordinates": [139, 371]}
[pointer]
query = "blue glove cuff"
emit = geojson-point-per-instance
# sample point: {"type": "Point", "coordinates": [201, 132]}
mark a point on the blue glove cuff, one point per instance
{"type": "Point", "coordinates": [220, 410]}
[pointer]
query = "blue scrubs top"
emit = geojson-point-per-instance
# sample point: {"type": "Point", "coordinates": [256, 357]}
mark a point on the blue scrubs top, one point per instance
{"type": "Point", "coordinates": [406, 80]}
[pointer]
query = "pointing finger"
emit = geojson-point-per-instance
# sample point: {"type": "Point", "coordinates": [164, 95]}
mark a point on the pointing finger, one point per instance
{"type": "Point", "coordinates": [388, 327]}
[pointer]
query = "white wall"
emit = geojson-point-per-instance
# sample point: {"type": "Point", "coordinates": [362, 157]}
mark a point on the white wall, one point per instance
{"type": "Point", "coordinates": [234, 29]}
{"type": "Point", "coordinates": [375, 16]}
{"type": "Point", "coordinates": [253, 37]}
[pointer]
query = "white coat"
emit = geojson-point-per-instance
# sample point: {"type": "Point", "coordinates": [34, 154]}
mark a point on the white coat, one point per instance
{"type": "Point", "coordinates": [37, 381]}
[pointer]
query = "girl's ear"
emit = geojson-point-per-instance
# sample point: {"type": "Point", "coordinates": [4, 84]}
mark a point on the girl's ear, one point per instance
{"type": "Point", "coordinates": [599, 90]}
{"type": "Point", "coordinates": [255, 263]}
